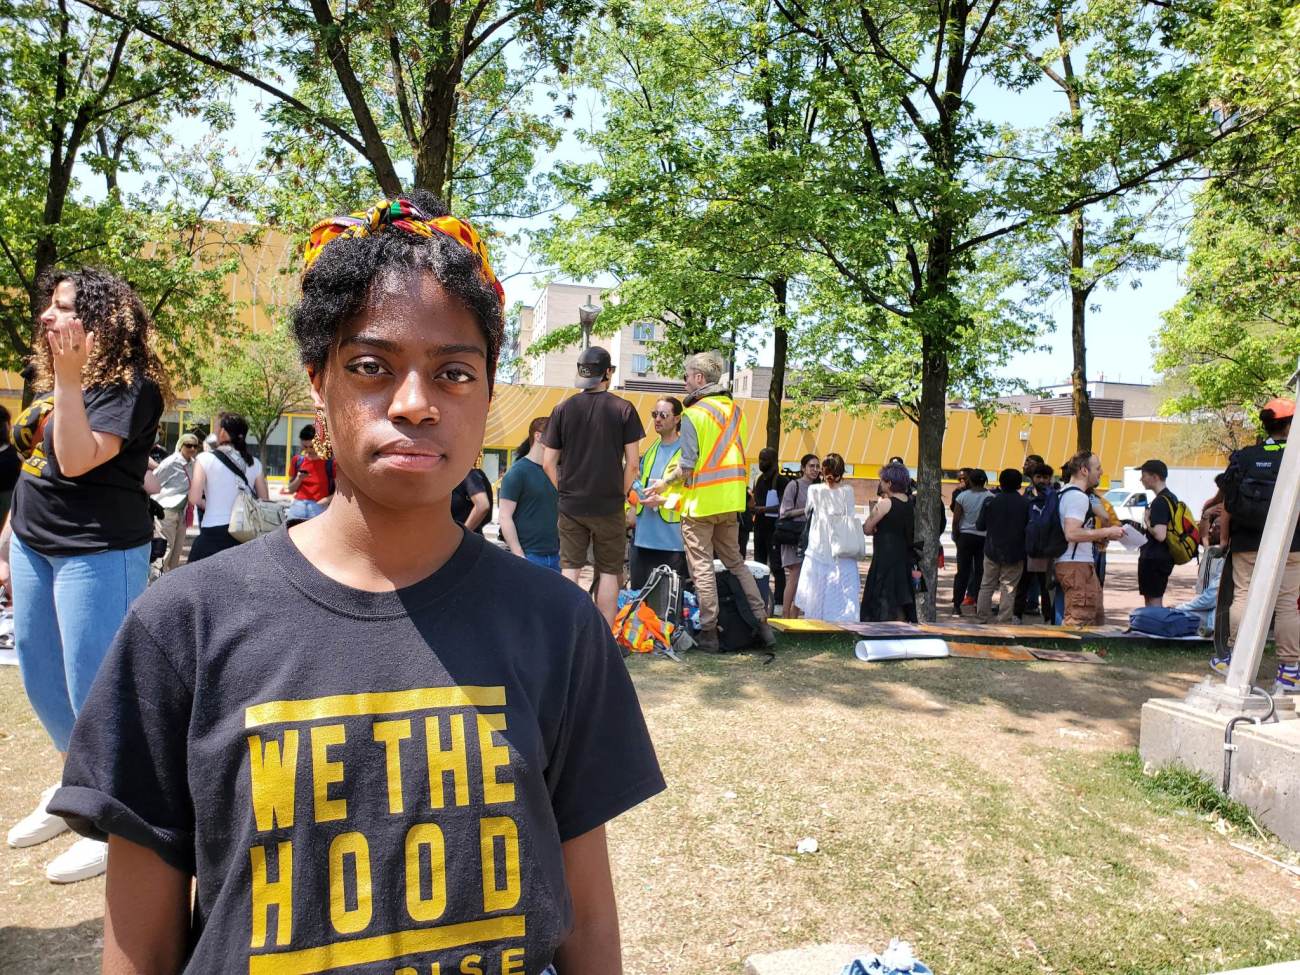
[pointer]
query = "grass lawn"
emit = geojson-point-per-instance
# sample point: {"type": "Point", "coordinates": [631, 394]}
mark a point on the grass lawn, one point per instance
{"type": "Point", "coordinates": [991, 813]}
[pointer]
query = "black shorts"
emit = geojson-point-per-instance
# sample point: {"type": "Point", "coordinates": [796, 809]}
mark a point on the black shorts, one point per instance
{"type": "Point", "coordinates": [1153, 576]}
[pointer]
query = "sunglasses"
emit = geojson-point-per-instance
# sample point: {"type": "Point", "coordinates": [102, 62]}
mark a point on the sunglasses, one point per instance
{"type": "Point", "coordinates": [660, 415]}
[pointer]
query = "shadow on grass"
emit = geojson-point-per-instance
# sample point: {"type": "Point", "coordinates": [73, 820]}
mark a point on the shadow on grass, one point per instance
{"type": "Point", "coordinates": [71, 950]}
{"type": "Point", "coordinates": [808, 669]}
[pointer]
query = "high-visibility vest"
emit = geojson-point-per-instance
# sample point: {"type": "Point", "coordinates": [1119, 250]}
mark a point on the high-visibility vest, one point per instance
{"type": "Point", "coordinates": [717, 485]}
{"type": "Point", "coordinates": [669, 509]}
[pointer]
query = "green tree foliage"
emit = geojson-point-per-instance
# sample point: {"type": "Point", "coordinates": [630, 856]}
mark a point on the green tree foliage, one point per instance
{"type": "Point", "coordinates": [1233, 340]}
{"type": "Point", "coordinates": [694, 186]}
{"type": "Point", "coordinates": [259, 376]}
{"type": "Point", "coordinates": [86, 102]}
{"type": "Point", "coordinates": [368, 98]}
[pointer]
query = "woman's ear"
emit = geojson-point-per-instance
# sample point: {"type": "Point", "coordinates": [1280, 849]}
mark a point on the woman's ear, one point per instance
{"type": "Point", "coordinates": [317, 380]}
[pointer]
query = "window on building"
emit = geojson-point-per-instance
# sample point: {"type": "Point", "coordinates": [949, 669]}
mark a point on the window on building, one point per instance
{"type": "Point", "coordinates": [640, 364]}
{"type": "Point", "coordinates": [277, 453]}
{"type": "Point", "coordinates": [643, 332]}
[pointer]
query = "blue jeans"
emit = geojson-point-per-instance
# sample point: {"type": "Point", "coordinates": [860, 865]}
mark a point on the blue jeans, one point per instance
{"type": "Point", "coordinates": [67, 609]}
{"type": "Point", "coordinates": [545, 561]}
{"type": "Point", "coordinates": [304, 510]}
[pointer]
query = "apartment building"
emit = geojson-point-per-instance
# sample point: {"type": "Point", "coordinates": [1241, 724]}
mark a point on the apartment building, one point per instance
{"type": "Point", "coordinates": [631, 350]}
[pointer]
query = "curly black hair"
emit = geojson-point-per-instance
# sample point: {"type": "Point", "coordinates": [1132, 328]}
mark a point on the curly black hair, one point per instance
{"type": "Point", "coordinates": [339, 285]}
{"type": "Point", "coordinates": [110, 308]}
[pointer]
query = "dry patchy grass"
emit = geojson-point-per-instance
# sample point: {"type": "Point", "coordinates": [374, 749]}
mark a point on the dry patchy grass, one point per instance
{"type": "Point", "coordinates": [975, 808]}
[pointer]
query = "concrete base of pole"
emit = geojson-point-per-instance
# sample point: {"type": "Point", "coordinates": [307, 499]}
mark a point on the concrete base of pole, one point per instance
{"type": "Point", "coordinates": [1265, 766]}
{"type": "Point", "coordinates": [1212, 695]}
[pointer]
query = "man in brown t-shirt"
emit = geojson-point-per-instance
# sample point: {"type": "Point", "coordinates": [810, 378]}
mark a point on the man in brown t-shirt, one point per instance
{"type": "Point", "coordinates": [591, 446]}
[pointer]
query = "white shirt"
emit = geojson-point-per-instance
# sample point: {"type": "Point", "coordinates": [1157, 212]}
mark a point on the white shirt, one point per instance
{"type": "Point", "coordinates": [221, 488]}
{"type": "Point", "coordinates": [1075, 504]}
{"type": "Point", "coordinates": [828, 504]}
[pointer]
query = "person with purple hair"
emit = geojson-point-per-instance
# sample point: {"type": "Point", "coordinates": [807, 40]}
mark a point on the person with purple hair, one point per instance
{"type": "Point", "coordinates": [890, 593]}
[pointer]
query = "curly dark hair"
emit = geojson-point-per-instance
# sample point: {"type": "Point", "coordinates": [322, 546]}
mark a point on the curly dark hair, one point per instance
{"type": "Point", "coordinates": [338, 286]}
{"type": "Point", "coordinates": [109, 307]}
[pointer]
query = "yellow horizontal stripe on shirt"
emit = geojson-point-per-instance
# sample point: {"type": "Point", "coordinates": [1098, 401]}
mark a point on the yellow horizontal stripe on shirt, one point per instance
{"type": "Point", "coordinates": [385, 947]}
{"type": "Point", "coordinates": [378, 702]}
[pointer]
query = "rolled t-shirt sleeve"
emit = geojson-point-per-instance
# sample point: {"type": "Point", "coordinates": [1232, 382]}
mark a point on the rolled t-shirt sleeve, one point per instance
{"type": "Point", "coordinates": [633, 430]}
{"type": "Point", "coordinates": [127, 768]}
{"type": "Point", "coordinates": [116, 410]}
{"type": "Point", "coordinates": [602, 763]}
{"type": "Point", "coordinates": [553, 435]}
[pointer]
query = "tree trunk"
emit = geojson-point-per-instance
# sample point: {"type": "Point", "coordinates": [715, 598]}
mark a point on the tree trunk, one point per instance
{"type": "Point", "coordinates": [1078, 337]}
{"type": "Point", "coordinates": [434, 155]}
{"type": "Point", "coordinates": [780, 348]}
{"type": "Point", "coordinates": [932, 421]}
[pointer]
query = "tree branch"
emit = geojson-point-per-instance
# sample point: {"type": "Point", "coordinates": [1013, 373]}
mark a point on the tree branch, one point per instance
{"type": "Point", "coordinates": [226, 68]}
{"type": "Point", "coordinates": [27, 284]}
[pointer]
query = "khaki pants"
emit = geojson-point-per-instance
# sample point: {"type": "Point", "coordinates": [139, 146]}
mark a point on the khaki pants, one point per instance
{"type": "Point", "coordinates": [173, 529]}
{"type": "Point", "coordinates": [717, 535]}
{"type": "Point", "coordinates": [1082, 592]}
{"type": "Point", "coordinates": [1004, 578]}
{"type": "Point", "coordinates": [1286, 615]}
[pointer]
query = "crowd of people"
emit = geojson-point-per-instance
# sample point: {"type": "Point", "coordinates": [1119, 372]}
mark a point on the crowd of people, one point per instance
{"type": "Point", "coordinates": [308, 703]}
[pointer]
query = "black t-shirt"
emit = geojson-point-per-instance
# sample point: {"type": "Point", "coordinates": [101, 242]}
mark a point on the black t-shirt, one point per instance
{"type": "Point", "coordinates": [591, 430]}
{"type": "Point", "coordinates": [1004, 518]}
{"type": "Point", "coordinates": [106, 508]}
{"type": "Point", "coordinates": [422, 754]}
{"type": "Point", "coordinates": [462, 498]}
{"type": "Point", "coordinates": [1159, 512]}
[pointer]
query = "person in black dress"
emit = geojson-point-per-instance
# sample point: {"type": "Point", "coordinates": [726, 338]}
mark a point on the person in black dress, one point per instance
{"type": "Point", "coordinates": [889, 593]}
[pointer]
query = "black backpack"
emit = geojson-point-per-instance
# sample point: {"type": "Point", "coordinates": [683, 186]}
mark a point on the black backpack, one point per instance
{"type": "Point", "coordinates": [1249, 493]}
{"type": "Point", "coordinates": [1044, 534]}
{"type": "Point", "coordinates": [737, 625]}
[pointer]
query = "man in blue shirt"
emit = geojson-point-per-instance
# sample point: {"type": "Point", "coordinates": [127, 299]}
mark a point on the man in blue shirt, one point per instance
{"type": "Point", "coordinates": [529, 512]}
{"type": "Point", "coordinates": [658, 539]}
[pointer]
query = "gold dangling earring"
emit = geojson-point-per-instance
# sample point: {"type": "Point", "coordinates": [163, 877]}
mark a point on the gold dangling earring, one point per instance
{"type": "Point", "coordinates": [322, 439]}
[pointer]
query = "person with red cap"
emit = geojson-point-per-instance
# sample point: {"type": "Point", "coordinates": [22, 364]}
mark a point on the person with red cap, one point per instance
{"type": "Point", "coordinates": [1248, 487]}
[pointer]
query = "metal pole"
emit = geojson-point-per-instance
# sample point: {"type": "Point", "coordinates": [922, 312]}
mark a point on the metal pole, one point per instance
{"type": "Point", "coordinates": [1270, 561]}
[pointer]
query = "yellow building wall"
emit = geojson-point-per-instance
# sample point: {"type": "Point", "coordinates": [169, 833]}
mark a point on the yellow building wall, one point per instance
{"type": "Point", "coordinates": [867, 442]}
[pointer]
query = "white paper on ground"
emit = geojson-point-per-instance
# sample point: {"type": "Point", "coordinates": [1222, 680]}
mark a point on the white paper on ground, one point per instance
{"type": "Point", "coordinates": [876, 650]}
{"type": "Point", "coordinates": [1132, 538]}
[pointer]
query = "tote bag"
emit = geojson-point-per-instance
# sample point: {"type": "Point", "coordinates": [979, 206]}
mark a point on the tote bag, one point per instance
{"type": "Point", "coordinates": [250, 516]}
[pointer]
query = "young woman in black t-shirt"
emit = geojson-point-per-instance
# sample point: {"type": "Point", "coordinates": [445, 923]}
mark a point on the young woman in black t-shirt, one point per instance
{"type": "Point", "coordinates": [80, 520]}
{"type": "Point", "coordinates": [395, 751]}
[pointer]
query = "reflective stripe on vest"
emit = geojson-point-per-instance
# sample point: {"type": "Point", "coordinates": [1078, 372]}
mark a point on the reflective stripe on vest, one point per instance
{"type": "Point", "coordinates": [672, 500]}
{"type": "Point", "coordinates": [717, 485]}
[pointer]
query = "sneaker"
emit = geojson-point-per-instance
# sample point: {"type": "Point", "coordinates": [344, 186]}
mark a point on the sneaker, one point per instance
{"type": "Point", "coordinates": [38, 825]}
{"type": "Point", "coordinates": [81, 861]}
{"type": "Point", "coordinates": [766, 636]}
{"type": "Point", "coordinates": [968, 601]}
{"type": "Point", "coordinates": [1288, 679]}
{"type": "Point", "coordinates": [1220, 665]}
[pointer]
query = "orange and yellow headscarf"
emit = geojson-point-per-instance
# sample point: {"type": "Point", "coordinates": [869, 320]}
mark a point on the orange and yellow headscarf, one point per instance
{"type": "Point", "coordinates": [404, 215]}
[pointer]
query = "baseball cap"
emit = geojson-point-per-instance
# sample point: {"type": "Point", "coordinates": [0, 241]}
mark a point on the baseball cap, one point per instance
{"type": "Point", "coordinates": [188, 440]}
{"type": "Point", "coordinates": [1282, 409]}
{"type": "Point", "coordinates": [1156, 467]}
{"type": "Point", "coordinates": [593, 363]}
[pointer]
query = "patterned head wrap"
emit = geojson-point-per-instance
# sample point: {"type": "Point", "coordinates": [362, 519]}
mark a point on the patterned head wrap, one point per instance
{"type": "Point", "coordinates": [404, 215]}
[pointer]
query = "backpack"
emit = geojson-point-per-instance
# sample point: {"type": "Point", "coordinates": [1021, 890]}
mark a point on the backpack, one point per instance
{"type": "Point", "coordinates": [1162, 621]}
{"type": "Point", "coordinates": [651, 621]}
{"type": "Point", "coordinates": [737, 624]}
{"type": "Point", "coordinates": [1248, 495]}
{"type": "Point", "coordinates": [1182, 535]}
{"type": "Point", "coordinates": [1044, 534]}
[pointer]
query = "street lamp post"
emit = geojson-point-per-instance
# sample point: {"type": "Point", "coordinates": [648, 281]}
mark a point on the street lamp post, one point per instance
{"type": "Point", "coordinates": [587, 315]}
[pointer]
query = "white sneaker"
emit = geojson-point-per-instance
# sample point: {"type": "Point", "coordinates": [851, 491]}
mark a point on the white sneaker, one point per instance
{"type": "Point", "coordinates": [81, 861]}
{"type": "Point", "coordinates": [38, 825]}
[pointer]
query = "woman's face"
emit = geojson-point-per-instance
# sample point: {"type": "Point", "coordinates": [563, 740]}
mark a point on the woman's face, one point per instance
{"type": "Point", "coordinates": [405, 396]}
{"type": "Point", "coordinates": [813, 469]}
{"type": "Point", "coordinates": [62, 309]}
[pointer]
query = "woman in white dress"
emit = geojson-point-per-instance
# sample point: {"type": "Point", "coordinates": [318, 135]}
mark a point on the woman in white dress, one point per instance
{"type": "Point", "coordinates": [828, 581]}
